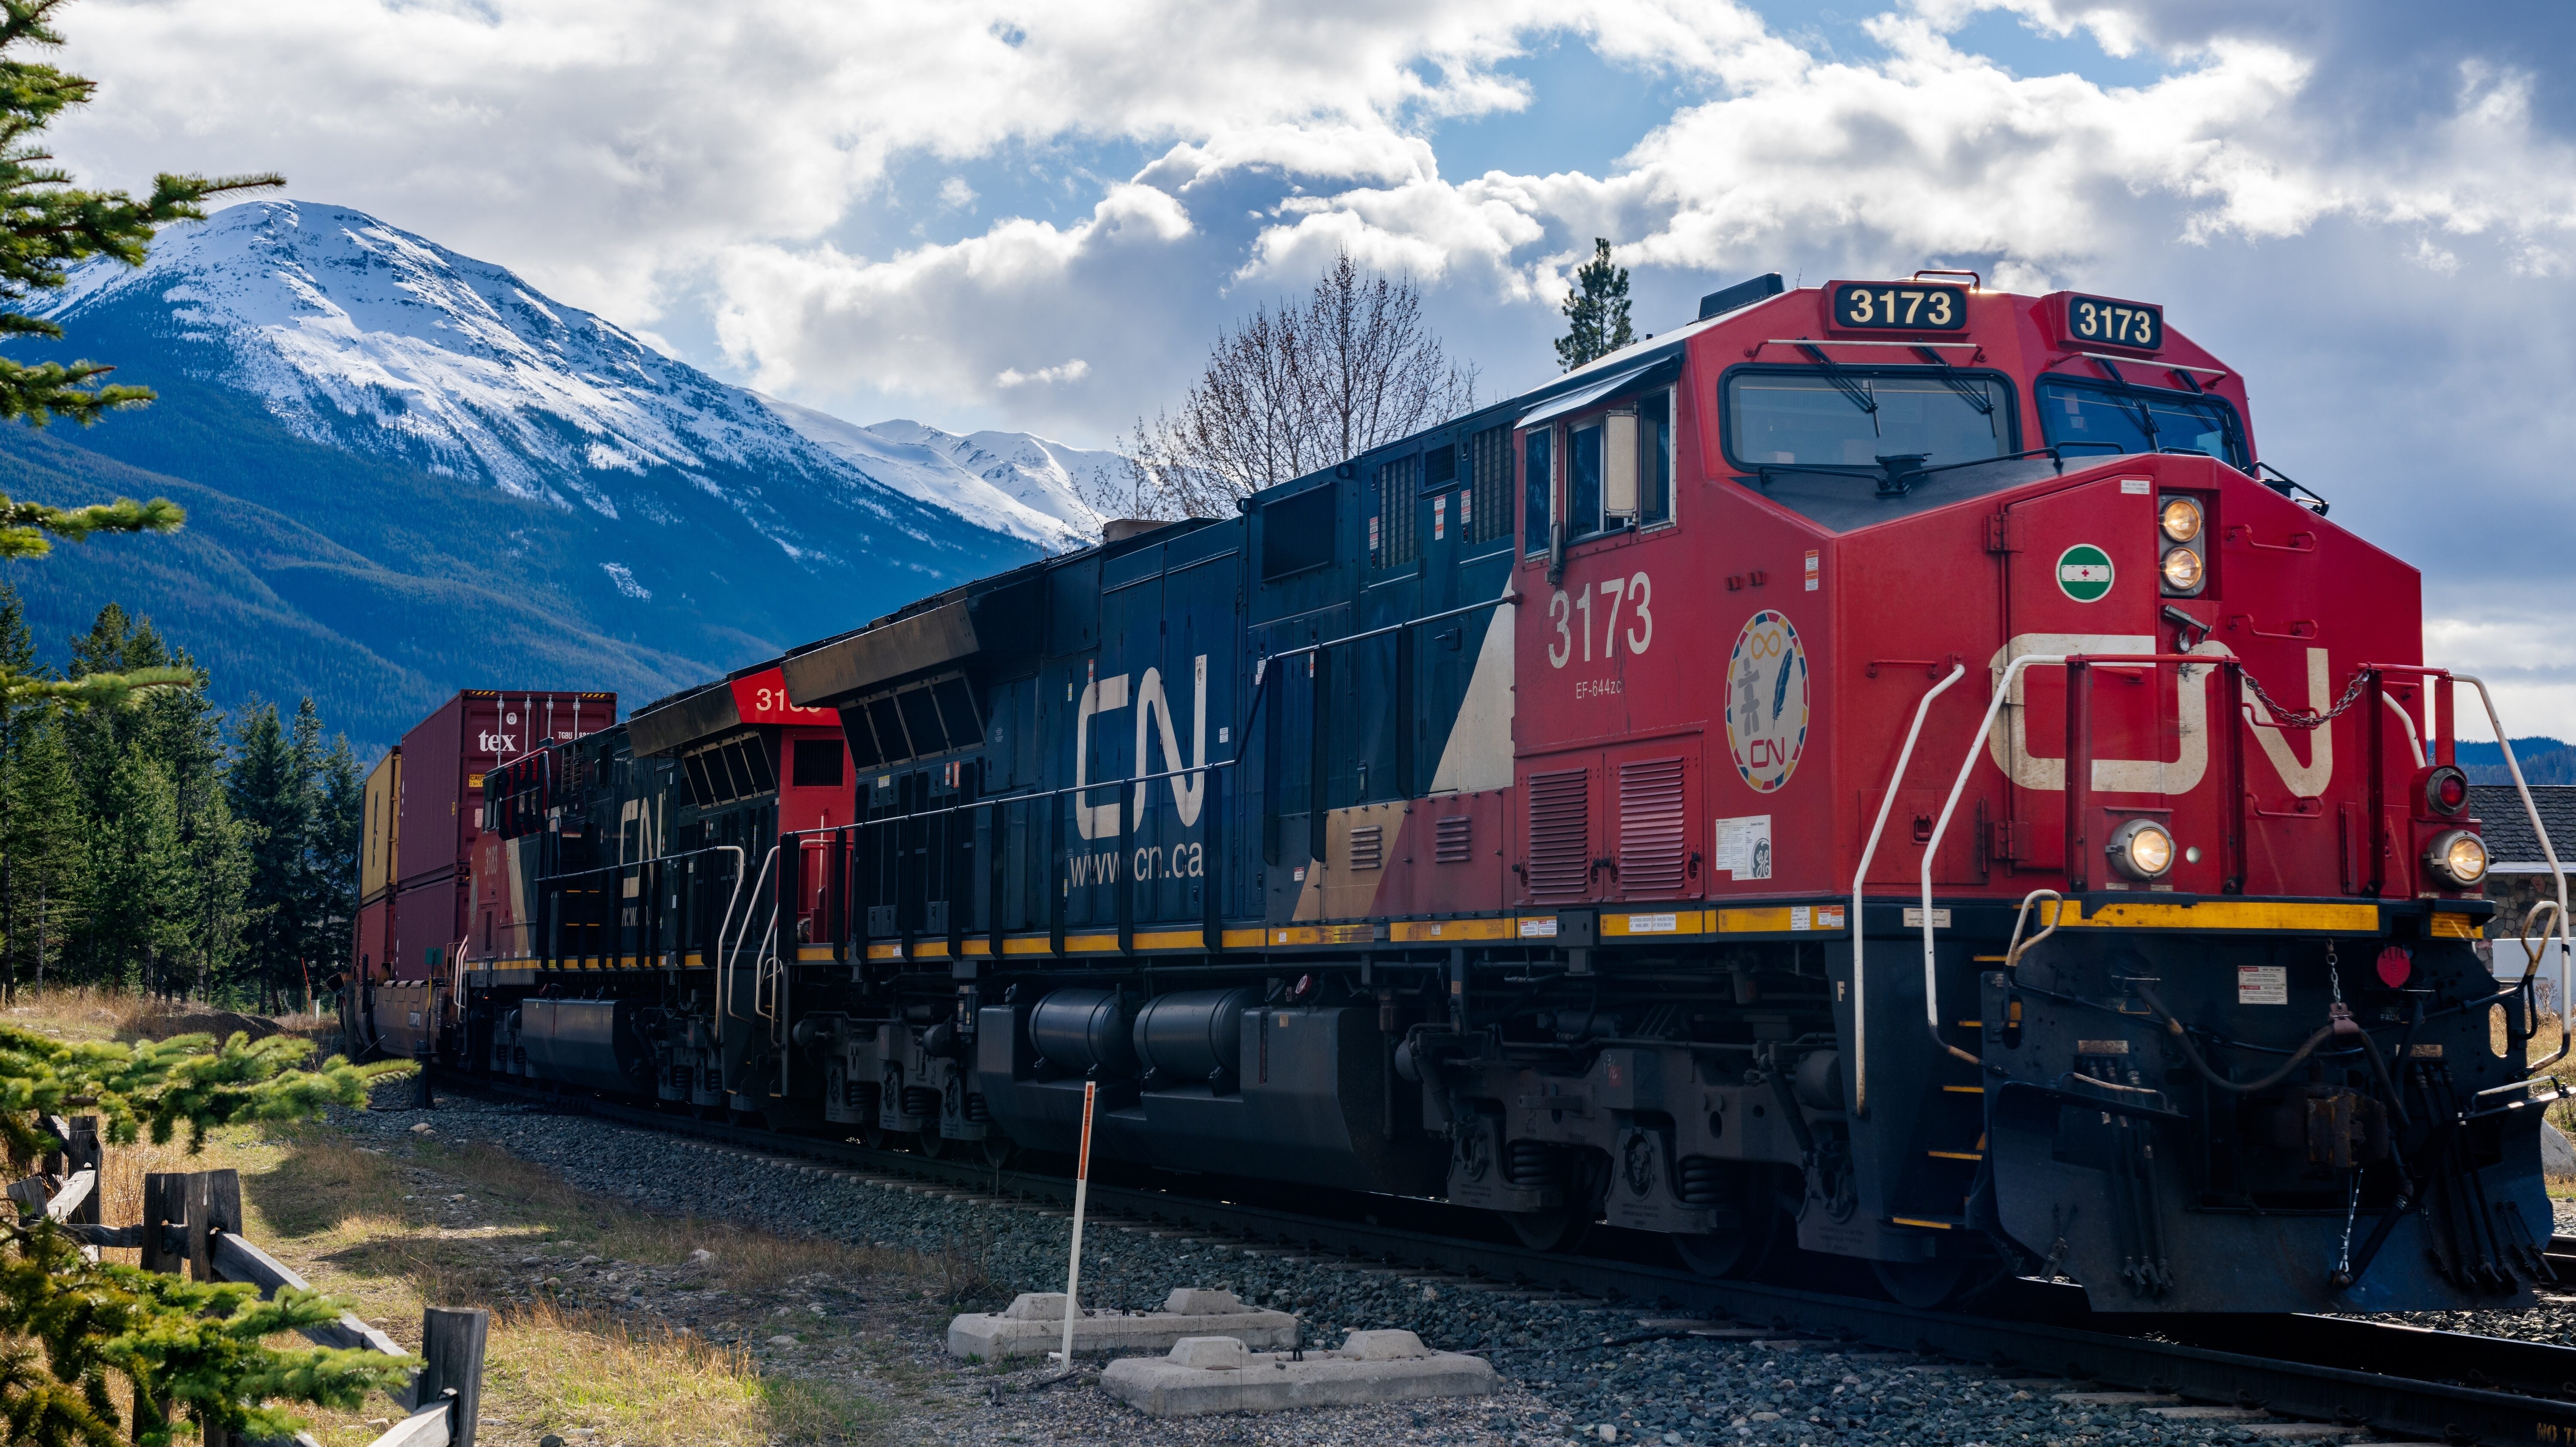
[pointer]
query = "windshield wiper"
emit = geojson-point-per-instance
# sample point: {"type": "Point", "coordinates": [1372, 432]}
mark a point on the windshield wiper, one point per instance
{"type": "Point", "coordinates": [1973, 393]}
{"type": "Point", "coordinates": [1860, 396]}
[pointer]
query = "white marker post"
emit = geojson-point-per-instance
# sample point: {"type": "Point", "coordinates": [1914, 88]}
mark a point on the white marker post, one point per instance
{"type": "Point", "coordinates": [1081, 1193]}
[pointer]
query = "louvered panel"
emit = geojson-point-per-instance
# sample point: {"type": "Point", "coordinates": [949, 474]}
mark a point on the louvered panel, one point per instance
{"type": "Point", "coordinates": [1453, 839]}
{"type": "Point", "coordinates": [1654, 839]}
{"type": "Point", "coordinates": [1560, 834]}
{"type": "Point", "coordinates": [1368, 846]}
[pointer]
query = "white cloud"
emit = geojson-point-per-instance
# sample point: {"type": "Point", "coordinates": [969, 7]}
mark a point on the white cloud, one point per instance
{"type": "Point", "coordinates": [957, 317]}
{"type": "Point", "coordinates": [1069, 371]}
{"type": "Point", "coordinates": [2362, 207]}
{"type": "Point", "coordinates": [2524, 662]}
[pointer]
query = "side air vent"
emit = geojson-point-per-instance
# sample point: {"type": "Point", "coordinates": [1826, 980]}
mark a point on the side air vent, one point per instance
{"type": "Point", "coordinates": [1653, 839]}
{"type": "Point", "coordinates": [1453, 839]}
{"type": "Point", "coordinates": [1368, 846]}
{"type": "Point", "coordinates": [1560, 836]}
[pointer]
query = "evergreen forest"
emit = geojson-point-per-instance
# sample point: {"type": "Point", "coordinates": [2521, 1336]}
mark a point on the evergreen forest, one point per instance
{"type": "Point", "coordinates": [161, 845]}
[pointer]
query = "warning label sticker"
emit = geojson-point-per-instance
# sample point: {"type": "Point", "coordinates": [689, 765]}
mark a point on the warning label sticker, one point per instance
{"type": "Point", "coordinates": [1744, 846]}
{"type": "Point", "coordinates": [2262, 985]}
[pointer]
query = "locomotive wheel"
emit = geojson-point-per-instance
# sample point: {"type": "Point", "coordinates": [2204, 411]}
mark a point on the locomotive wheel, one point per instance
{"type": "Point", "coordinates": [931, 1142]}
{"type": "Point", "coordinates": [1732, 1255]}
{"type": "Point", "coordinates": [1924, 1285]}
{"type": "Point", "coordinates": [1739, 1253]}
{"type": "Point", "coordinates": [1559, 1230]}
{"type": "Point", "coordinates": [998, 1150]}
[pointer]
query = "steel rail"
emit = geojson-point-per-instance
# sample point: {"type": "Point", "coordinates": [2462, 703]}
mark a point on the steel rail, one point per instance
{"type": "Point", "coordinates": [2389, 1376]}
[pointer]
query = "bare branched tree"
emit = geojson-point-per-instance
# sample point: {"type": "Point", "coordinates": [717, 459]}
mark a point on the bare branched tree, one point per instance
{"type": "Point", "coordinates": [1292, 390]}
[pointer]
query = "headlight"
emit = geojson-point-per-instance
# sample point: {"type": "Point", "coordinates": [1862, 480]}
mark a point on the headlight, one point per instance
{"type": "Point", "coordinates": [2141, 849]}
{"type": "Point", "coordinates": [2457, 857]}
{"type": "Point", "coordinates": [2446, 791]}
{"type": "Point", "coordinates": [2182, 570]}
{"type": "Point", "coordinates": [2180, 518]}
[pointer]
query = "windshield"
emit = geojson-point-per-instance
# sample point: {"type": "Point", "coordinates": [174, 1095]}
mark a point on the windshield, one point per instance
{"type": "Point", "coordinates": [1851, 417]}
{"type": "Point", "coordinates": [2098, 417]}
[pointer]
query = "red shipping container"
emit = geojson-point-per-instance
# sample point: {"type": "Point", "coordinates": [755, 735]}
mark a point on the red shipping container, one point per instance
{"type": "Point", "coordinates": [375, 941]}
{"type": "Point", "coordinates": [444, 758]}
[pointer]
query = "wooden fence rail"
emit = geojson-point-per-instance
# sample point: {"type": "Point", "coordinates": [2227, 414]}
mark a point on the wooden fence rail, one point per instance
{"type": "Point", "coordinates": [192, 1223]}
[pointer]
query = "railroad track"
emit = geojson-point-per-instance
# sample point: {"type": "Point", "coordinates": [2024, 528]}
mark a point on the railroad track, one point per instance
{"type": "Point", "coordinates": [2388, 1377]}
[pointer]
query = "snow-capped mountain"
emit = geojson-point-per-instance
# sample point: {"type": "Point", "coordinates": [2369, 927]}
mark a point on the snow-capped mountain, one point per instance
{"type": "Point", "coordinates": [359, 334]}
{"type": "Point", "coordinates": [1008, 481]}
{"type": "Point", "coordinates": [434, 476]}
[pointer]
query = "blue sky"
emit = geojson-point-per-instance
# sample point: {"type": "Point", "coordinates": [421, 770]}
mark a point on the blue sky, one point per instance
{"type": "Point", "coordinates": [978, 215]}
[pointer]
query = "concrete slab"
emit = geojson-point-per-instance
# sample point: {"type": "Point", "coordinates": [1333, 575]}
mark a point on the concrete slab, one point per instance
{"type": "Point", "coordinates": [1033, 1325]}
{"type": "Point", "coordinates": [2296, 1431]}
{"type": "Point", "coordinates": [2117, 1399]}
{"type": "Point", "coordinates": [1208, 1375]}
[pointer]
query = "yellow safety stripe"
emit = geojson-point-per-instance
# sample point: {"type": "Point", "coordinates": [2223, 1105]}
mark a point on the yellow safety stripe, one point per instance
{"type": "Point", "coordinates": [2307, 916]}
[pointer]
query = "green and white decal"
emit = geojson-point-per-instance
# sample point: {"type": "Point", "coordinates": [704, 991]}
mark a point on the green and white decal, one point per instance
{"type": "Point", "coordinates": [2084, 572]}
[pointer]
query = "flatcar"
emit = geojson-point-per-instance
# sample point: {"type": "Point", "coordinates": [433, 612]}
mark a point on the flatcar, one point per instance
{"type": "Point", "coordinates": [1884, 771]}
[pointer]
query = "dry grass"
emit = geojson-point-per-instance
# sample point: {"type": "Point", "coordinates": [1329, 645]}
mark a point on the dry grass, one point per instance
{"type": "Point", "coordinates": [652, 1385]}
{"type": "Point", "coordinates": [360, 1224]}
{"type": "Point", "coordinates": [354, 1222]}
{"type": "Point", "coordinates": [86, 1012]}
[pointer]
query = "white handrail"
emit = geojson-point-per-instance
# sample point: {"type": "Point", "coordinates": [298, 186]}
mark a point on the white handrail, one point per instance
{"type": "Point", "coordinates": [1940, 826]}
{"type": "Point", "coordinates": [740, 859]}
{"type": "Point", "coordinates": [1860, 979]}
{"type": "Point", "coordinates": [2414, 740]}
{"type": "Point", "coordinates": [2557, 875]}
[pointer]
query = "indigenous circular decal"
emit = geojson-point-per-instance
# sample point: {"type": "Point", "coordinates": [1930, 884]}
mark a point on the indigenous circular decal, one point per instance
{"type": "Point", "coordinates": [2084, 572]}
{"type": "Point", "coordinates": [1766, 701]}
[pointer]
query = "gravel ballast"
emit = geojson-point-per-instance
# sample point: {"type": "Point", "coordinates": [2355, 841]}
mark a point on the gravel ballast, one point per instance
{"type": "Point", "coordinates": [1571, 1371]}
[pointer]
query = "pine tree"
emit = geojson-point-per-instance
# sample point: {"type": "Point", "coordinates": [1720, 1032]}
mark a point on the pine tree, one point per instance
{"type": "Point", "coordinates": [43, 840]}
{"type": "Point", "coordinates": [1596, 311]}
{"type": "Point", "coordinates": [136, 875]}
{"type": "Point", "coordinates": [270, 790]}
{"type": "Point", "coordinates": [340, 810]}
{"type": "Point", "coordinates": [17, 658]}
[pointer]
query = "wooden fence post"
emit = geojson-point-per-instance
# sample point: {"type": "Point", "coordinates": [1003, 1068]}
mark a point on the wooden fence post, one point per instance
{"type": "Point", "coordinates": [87, 1154]}
{"type": "Point", "coordinates": [165, 1215]}
{"type": "Point", "coordinates": [451, 1350]}
{"type": "Point", "coordinates": [223, 1209]}
{"type": "Point", "coordinates": [165, 1205]}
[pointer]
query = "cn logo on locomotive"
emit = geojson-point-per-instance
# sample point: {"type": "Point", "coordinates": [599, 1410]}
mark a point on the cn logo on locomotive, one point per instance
{"type": "Point", "coordinates": [1766, 701]}
{"type": "Point", "coordinates": [1106, 695]}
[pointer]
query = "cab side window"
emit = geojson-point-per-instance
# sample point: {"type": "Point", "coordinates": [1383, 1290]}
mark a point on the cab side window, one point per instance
{"type": "Point", "coordinates": [1538, 488]}
{"type": "Point", "coordinates": [1583, 481]}
{"type": "Point", "coordinates": [1655, 469]}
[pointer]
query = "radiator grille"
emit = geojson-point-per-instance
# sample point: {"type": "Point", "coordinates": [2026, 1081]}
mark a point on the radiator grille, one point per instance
{"type": "Point", "coordinates": [1560, 835]}
{"type": "Point", "coordinates": [1486, 507]}
{"type": "Point", "coordinates": [1368, 846]}
{"type": "Point", "coordinates": [1395, 533]}
{"type": "Point", "coordinates": [1453, 839]}
{"type": "Point", "coordinates": [1654, 843]}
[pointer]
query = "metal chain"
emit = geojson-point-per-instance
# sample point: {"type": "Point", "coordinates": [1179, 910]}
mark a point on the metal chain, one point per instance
{"type": "Point", "coordinates": [2334, 973]}
{"type": "Point", "coordinates": [2293, 719]}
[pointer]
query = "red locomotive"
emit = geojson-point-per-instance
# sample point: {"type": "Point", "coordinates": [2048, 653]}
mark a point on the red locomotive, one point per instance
{"type": "Point", "coordinates": [1884, 769]}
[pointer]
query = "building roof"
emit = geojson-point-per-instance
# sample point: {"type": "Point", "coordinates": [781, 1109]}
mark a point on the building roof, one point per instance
{"type": "Point", "coordinates": [2507, 829]}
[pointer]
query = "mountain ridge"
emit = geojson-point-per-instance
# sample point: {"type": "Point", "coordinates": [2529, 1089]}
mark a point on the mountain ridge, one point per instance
{"type": "Point", "coordinates": [411, 472]}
